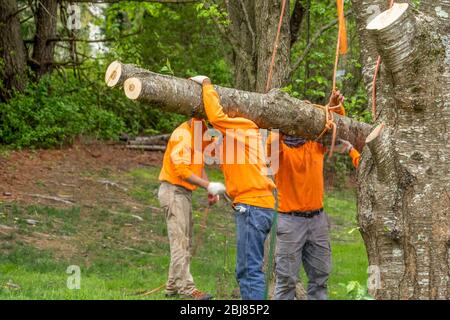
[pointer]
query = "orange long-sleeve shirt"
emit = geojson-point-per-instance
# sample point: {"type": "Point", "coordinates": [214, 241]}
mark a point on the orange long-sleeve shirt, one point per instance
{"type": "Point", "coordinates": [299, 178]}
{"type": "Point", "coordinates": [354, 154]}
{"type": "Point", "coordinates": [184, 154]}
{"type": "Point", "coordinates": [245, 180]}
{"type": "Point", "coordinates": [340, 110]}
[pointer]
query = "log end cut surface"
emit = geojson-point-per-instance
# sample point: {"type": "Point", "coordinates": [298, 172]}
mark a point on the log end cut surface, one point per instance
{"type": "Point", "coordinates": [375, 133]}
{"type": "Point", "coordinates": [113, 73]}
{"type": "Point", "coordinates": [386, 18]}
{"type": "Point", "coordinates": [133, 88]}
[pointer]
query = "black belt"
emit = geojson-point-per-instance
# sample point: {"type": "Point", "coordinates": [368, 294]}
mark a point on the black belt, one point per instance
{"type": "Point", "coordinates": [304, 214]}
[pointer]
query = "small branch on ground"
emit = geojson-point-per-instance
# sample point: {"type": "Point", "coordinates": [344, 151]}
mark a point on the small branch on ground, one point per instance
{"type": "Point", "coordinates": [146, 147]}
{"type": "Point", "coordinates": [147, 293]}
{"type": "Point", "coordinates": [57, 199]}
{"type": "Point", "coordinates": [108, 183]}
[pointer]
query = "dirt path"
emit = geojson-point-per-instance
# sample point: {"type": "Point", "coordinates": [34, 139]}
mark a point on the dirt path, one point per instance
{"type": "Point", "coordinates": [67, 175]}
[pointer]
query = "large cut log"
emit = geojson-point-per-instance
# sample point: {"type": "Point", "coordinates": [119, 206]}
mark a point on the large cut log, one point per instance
{"type": "Point", "coordinates": [274, 110]}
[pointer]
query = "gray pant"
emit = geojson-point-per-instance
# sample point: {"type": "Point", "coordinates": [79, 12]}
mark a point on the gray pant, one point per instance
{"type": "Point", "coordinates": [302, 240]}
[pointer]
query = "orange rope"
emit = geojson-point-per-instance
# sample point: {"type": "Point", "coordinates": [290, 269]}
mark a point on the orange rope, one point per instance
{"type": "Point", "coordinates": [149, 292]}
{"type": "Point", "coordinates": [341, 48]}
{"type": "Point", "coordinates": [154, 290]}
{"type": "Point", "coordinates": [374, 89]}
{"type": "Point", "coordinates": [329, 125]}
{"type": "Point", "coordinates": [374, 81]}
{"type": "Point", "coordinates": [275, 47]}
{"type": "Point", "coordinates": [341, 42]}
{"type": "Point", "coordinates": [336, 63]}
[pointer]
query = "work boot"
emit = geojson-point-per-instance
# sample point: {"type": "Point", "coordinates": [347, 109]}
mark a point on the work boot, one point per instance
{"type": "Point", "coordinates": [198, 295]}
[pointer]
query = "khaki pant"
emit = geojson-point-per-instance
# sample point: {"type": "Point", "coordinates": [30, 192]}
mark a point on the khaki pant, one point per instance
{"type": "Point", "coordinates": [176, 202]}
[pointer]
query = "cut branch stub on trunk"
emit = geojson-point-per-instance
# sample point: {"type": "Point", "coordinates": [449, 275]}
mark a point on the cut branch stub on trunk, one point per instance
{"type": "Point", "coordinates": [381, 148]}
{"type": "Point", "coordinates": [393, 32]}
{"type": "Point", "coordinates": [275, 110]}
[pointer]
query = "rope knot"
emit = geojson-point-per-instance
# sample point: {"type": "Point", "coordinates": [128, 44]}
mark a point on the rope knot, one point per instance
{"type": "Point", "coordinates": [329, 125]}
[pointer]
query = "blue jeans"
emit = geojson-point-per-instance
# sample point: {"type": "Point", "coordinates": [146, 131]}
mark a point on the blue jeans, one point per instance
{"type": "Point", "coordinates": [253, 225]}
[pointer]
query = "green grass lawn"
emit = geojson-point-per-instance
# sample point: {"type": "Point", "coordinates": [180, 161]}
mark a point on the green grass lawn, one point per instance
{"type": "Point", "coordinates": [120, 255]}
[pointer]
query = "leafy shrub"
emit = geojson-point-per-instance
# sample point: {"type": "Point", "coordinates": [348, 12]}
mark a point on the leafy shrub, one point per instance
{"type": "Point", "coordinates": [54, 112]}
{"type": "Point", "coordinates": [57, 109]}
{"type": "Point", "coordinates": [356, 291]}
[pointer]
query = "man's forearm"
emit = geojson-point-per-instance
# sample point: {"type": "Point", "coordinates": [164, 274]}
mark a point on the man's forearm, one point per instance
{"type": "Point", "coordinates": [196, 180]}
{"type": "Point", "coordinates": [204, 175]}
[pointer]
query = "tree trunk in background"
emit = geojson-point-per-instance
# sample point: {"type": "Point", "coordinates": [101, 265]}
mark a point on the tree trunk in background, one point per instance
{"type": "Point", "coordinates": [242, 16]}
{"type": "Point", "coordinates": [12, 51]}
{"type": "Point", "coordinates": [267, 19]}
{"type": "Point", "coordinates": [46, 18]}
{"type": "Point", "coordinates": [404, 177]}
{"type": "Point", "coordinates": [298, 13]}
{"type": "Point", "coordinates": [254, 25]}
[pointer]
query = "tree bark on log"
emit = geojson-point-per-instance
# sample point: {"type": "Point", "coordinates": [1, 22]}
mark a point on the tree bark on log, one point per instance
{"type": "Point", "coordinates": [273, 110]}
{"type": "Point", "coordinates": [404, 177]}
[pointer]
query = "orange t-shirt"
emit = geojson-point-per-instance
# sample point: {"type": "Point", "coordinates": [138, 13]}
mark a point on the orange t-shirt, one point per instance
{"type": "Point", "coordinates": [245, 181]}
{"type": "Point", "coordinates": [184, 154]}
{"type": "Point", "coordinates": [299, 178]}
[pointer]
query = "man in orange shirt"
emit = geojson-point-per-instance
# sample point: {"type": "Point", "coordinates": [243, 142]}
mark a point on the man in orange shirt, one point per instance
{"type": "Point", "coordinates": [249, 188]}
{"type": "Point", "coordinates": [181, 173]}
{"type": "Point", "coordinates": [303, 227]}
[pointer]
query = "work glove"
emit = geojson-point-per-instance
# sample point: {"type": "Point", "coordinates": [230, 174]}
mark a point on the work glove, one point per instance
{"type": "Point", "coordinates": [216, 188]}
{"type": "Point", "coordinates": [199, 79]}
{"type": "Point", "coordinates": [343, 147]}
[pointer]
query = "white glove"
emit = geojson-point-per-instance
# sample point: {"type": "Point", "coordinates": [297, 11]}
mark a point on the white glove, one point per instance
{"type": "Point", "coordinates": [216, 188]}
{"type": "Point", "coordinates": [198, 79]}
{"type": "Point", "coordinates": [343, 147]}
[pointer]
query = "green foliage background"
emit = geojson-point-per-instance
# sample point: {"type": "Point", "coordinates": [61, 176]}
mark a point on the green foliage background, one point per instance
{"type": "Point", "coordinates": [166, 38]}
